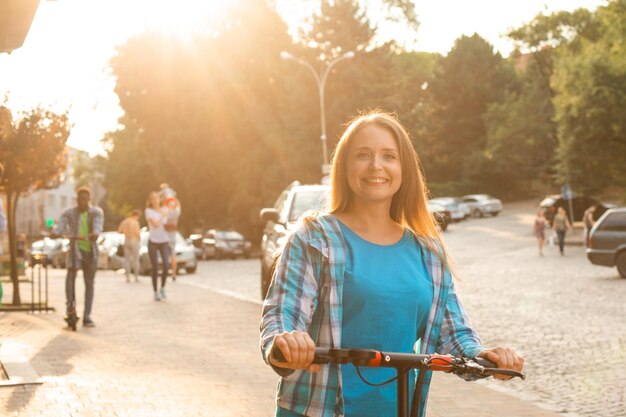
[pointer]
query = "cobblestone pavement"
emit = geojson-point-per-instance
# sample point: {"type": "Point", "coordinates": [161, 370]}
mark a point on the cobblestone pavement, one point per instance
{"type": "Point", "coordinates": [197, 354]}
{"type": "Point", "coordinates": [564, 314]}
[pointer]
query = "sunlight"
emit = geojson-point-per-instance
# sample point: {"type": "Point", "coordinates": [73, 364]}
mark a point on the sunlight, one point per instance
{"type": "Point", "coordinates": [181, 17]}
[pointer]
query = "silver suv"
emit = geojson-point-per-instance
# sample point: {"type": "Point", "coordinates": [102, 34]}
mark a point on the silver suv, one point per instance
{"type": "Point", "coordinates": [607, 241]}
{"type": "Point", "coordinates": [279, 220]}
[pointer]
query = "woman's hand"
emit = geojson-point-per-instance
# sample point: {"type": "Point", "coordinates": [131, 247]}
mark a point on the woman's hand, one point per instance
{"type": "Point", "coordinates": [505, 358]}
{"type": "Point", "coordinates": [298, 349]}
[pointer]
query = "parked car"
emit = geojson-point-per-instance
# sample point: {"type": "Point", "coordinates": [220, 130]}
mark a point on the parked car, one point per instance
{"type": "Point", "coordinates": [49, 252]}
{"type": "Point", "coordinates": [220, 244]}
{"type": "Point", "coordinates": [607, 240]}
{"type": "Point", "coordinates": [441, 215]}
{"type": "Point", "coordinates": [551, 203]}
{"type": "Point", "coordinates": [111, 251]}
{"type": "Point", "coordinates": [482, 204]}
{"type": "Point", "coordinates": [185, 255]}
{"type": "Point", "coordinates": [196, 240]}
{"type": "Point", "coordinates": [281, 218]}
{"type": "Point", "coordinates": [458, 209]}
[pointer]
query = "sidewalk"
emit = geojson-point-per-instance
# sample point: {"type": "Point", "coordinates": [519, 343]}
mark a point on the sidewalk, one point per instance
{"type": "Point", "coordinates": [195, 354]}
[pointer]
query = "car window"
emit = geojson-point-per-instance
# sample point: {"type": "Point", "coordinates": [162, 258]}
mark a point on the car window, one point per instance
{"type": "Point", "coordinates": [614, 222]}
{"type": "Point", "coordinates": [307, 200]}
{"type": "Point", "coordinates": [469, 200]}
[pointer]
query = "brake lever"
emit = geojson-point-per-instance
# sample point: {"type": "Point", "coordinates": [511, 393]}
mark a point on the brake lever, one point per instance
{"type": "Point", "coordinates": [472, 367]}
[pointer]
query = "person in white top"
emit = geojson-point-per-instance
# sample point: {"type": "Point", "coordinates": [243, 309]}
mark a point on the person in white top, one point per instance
{"type": "Point", "coordinates": [158, 242]}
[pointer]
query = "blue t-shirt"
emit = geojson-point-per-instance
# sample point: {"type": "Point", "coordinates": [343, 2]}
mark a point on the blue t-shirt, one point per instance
{"type": "Point", "coordinates": [387, 295]}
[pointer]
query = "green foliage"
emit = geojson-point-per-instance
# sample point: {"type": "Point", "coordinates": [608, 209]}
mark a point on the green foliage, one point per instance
{"type": "Point", "coordinates": [521, 134]}
{"type": "Point", "coordinates": [32, 153]}
{"type": "Point", "coordinates": [228, 124]}
{"type": "Point", "coordinates": [466, 82]}
{"type": "Point", "coordinates": [591, 86]}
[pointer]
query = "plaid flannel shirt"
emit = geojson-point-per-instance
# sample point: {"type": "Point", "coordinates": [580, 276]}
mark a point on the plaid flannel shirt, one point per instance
{"type": "Point", "coordinates": [306, 295]}
{"type": "Point", "coordinates": [69, 223]}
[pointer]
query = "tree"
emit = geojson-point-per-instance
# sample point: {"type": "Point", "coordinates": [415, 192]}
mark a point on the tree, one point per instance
{"type": "Point", "coordinates": [466, 82]}
{"type": "Point", "coordinates": [590, 82]}
{"type": "Point", "coordinates": [209, 115]}
{"type": "Point", "coordinates": [32, 152]}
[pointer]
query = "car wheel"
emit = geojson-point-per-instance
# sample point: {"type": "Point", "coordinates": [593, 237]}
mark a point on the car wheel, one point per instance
{"type": "Point", "coordinates": [621, 264]}
{"type": "Point", "coordinates": [476, 213]}
{"type": "Point", "coordinates": [191, 269]}
{"type": "Point", "coordinates": [495, 213]}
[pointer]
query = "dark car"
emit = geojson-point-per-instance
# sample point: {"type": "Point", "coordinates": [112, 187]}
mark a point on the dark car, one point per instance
{"type": "Point", "coordinates": [220, 244]}
{"type": "Point", "coordinates": [442, 216]}
{"type": "Point", "coordinates": [607, 240]}
{"type": "Point", "coordinates": [551, 203]}
{"type": "Point", "coordinates": [280, 219]}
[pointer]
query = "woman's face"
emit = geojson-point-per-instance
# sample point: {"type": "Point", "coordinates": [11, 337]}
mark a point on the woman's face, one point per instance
{"type": "Point", "coordinates": [154, 200]}
{"type": "Point", "coordinates": [373, 167]}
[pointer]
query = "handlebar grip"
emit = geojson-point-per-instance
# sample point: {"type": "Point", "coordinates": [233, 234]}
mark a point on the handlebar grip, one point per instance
{"type": "Point", "coordinates": [277, 355]}
{"type": "Point", "coordinates": [319, 352]}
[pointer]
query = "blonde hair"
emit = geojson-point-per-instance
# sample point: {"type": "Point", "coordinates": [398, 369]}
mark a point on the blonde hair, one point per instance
{"type": "Point", "coordinates": [150, 195]}
{"type": "Point", "coordinates": [409, 206]}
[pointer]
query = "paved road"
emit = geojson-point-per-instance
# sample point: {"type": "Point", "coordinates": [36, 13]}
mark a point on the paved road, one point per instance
{"type": "Point", "coordinates": [564, 314]}
{"type": "Point", "coordinates": [197, 354]}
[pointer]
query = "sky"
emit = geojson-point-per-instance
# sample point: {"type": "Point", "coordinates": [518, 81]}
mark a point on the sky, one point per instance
{"type": "Point", "coordinates": [63, 64]}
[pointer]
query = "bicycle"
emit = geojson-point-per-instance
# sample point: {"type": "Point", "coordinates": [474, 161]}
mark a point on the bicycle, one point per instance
{"type": "Point", "coordinates": [404, 363]}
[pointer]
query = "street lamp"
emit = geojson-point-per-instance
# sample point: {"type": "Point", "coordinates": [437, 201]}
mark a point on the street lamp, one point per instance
{"type": "Point", "coordinates": [320, 79]}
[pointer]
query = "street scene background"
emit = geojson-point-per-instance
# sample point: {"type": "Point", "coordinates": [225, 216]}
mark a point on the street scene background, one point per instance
{"type": "Point", "coordinates": [226, 103]}
{"type": "Point", "coordinates": [197, 353]}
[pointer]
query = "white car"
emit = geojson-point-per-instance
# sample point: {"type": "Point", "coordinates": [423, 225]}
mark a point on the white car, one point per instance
{"type": "Point", "coordinates": [185, 255]}
{"type": "Point", "coordinates": [458, 209]}
{"type": "Point", "coordinates": [483, 204]}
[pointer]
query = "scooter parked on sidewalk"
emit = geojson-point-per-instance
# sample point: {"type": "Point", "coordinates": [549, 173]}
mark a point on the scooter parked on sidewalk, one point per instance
{"type": "Point", "coordinates": [404, 363]}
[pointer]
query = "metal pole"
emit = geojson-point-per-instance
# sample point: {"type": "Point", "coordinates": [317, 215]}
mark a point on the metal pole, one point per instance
{"type": "Point", "coordinates": [320, 80]}
{"type": "Point", "coordinates": [403, 393]}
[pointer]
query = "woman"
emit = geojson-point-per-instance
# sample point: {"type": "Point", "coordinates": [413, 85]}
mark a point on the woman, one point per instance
{"type": "Point", "coordinates": [372, 273]}
{"type": "Point", "coordinates": [158, 242]}
{"type": "Point", "coordinates": [539, 230]}
{"type": "Point", "coordinates": [561, 224]}
{"type": "Point", "coordinates": [171, 227]}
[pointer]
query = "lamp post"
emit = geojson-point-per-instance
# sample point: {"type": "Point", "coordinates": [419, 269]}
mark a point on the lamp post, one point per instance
{"type": "Point", "coordinates": [320, 79]}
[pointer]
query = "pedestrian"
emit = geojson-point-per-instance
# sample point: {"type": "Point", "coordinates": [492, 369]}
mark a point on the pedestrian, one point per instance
{"type": "Point", "coordinates": [539, 230]}
{"type": "Point", "coordinates": [82, 225]}
{"type": "Point", "coordinates": [372, 272]}
{"type": "Point", "coordinates": [3, 221]}
{"type": "Point", "coordinates": [588, 222]}
{"type": "Point", "coordinates": [158, 242]}
{"type": "Point", "coordinates": [171, 227]}
{"type": "Point", "coordinates": [129, 227]}
{"type": "Point", "coordinates": [561, 224]}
